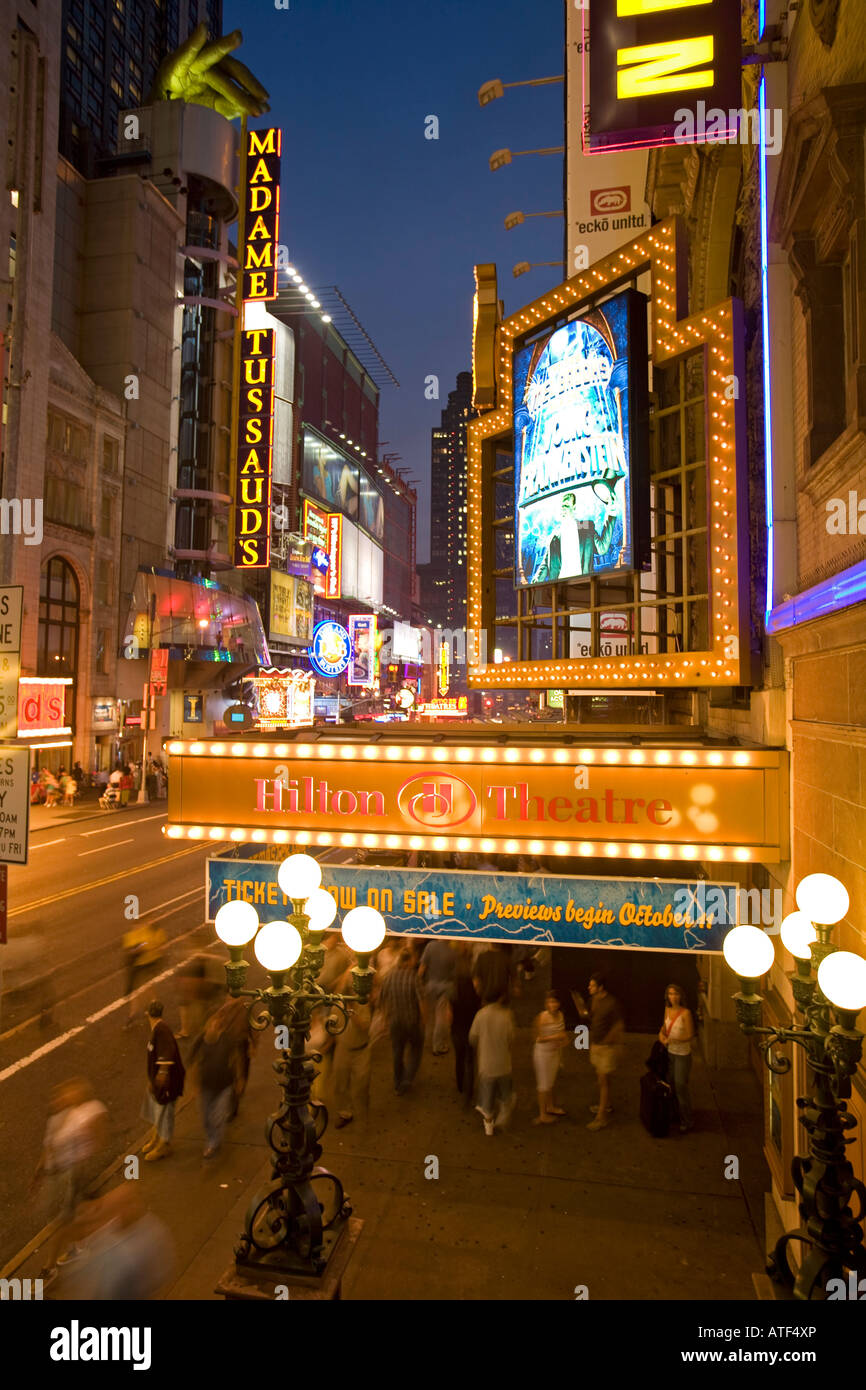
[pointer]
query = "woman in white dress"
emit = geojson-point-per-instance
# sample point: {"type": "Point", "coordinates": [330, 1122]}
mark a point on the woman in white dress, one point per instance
{"type": "Point", "coordinates": [678, 1033]}
{"type": "Point", "coordinates": [550, 1038]}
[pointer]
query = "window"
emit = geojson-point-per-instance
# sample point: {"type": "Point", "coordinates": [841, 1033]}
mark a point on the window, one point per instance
{"type": "Point", "coordinates": [57, 640]}
{"type": "Point", "coordinates": [65, 502]}
{"type": "Point", "coordinates": [116, 88]}
{"type": "Point", "coordinates": [107, 517]}
{"type": "Point", "coordinates": [104, 582]}
{"type": "Point", "coordinates": [13, 247]}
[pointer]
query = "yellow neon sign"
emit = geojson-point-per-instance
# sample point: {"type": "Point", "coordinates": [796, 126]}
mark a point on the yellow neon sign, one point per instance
{"type": "Point", "coordinates": [654, 68]}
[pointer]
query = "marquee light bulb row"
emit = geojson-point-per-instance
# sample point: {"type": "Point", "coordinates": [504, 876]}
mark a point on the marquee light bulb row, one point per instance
{"type": "Point", "coordinates": [370, 752]}
{"type": "Point", "coordinates": [657, 252]}
{"type": "Point", "coordinates": [584, 849]}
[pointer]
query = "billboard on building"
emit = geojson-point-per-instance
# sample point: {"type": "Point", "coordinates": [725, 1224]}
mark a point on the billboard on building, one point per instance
{"type": "Point", "coordinates": [362, 644]}
{"type": "Point", "coordinates": [291, 615]}
{"type": "Point", "coordinates": [579, 460]}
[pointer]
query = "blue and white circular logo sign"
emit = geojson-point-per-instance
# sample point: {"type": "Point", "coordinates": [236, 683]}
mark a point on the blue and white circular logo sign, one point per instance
{"type": "Point", "coordinates": [330, 649]}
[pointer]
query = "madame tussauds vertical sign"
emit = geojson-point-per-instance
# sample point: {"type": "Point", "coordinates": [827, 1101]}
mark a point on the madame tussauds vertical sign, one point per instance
{"type": "Point", "coordinates": [255, 448]}
{"type": "Point", "coordinates": [253, 468]}
{"type": "Point", "coordinates": [261, 214]}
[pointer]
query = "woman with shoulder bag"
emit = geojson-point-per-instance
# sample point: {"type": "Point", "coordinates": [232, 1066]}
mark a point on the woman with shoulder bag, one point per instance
{"type": "Point", "coordinates": [677, 1034]}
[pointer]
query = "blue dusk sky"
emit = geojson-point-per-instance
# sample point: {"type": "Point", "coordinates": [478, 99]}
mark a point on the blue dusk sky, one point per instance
{"type": "Point", "coordinates": [396, 220]}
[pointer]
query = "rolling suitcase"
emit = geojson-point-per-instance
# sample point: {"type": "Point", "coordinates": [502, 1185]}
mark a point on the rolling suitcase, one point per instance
{"type": "Point", "coordinates": [656, 1105]}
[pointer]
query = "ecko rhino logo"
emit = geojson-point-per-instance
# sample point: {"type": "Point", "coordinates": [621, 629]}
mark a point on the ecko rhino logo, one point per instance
{"type": "Point", "coordinates": [603, 200]}
{"type": "Point", "coordinates": [436, 799]}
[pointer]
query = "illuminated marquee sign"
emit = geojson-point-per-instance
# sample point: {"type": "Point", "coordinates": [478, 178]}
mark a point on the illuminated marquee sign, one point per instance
{"type": "Point", "coordinates": [444, 677]}
{"type": "Point", "coordinates": [664, 804]}
{"type": "Point", "coordinates": [285, 697]}
{"type": "Point", "coordinates": [261, 214]}
{"type": "Point", "coordinates": [42, 705]}
{"type": "Point", "coordinates": [580, 503]}
{"type": "Point", "coordinates": [252, 530]}
{"type": "Point", "coordinates": [650, 59]}
{"type": "Point", "coordinates": [721, 655]}
{"type": "Point", "coordinates": [456, 707]}
{"type": "Point", "coordinates": [362, 646]}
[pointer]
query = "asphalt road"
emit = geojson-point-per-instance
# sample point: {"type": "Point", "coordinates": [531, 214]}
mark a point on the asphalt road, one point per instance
{"type": "Point", "coordinates": [67, 911]}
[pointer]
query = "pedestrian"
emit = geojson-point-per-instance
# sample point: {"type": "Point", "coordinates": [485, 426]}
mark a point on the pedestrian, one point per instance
{"type": "Point", "coordinates": [492, 1034]}
{"type": "Point", "coordinates": [165, 1078]}
{"type": "Point", "coordinates": [192, 981]}
{"type": "Point", "coordinates": [70, 791]}
{"type": "Point", "coordinates": [213, 1054]}
{"type": "Point", "coordinates": [492, 972]}
{"type": "Point", "coordinates": [464, 1006]}
{"type": "Point", "coordinates": [352, 1059]}
{"type": "Point", "coordinates": [143, 947]}
{"type": "Point", "coordinates": [126, 1253]}
{"type": "Point", "coordinates": [677, 1033]}
{"type": "Point", "coordinates": [550, 1039]}
{"type": "Point", "coordinates": [605, 1037]}
{"type": "Point", "coordinates": [75, 1136]}
{"type": "Point", "coordinates": [125, 784]}
{"type": "Point", "coordinates": [436, 975]}
{"type": "Point", "coordinates": [399, 998]}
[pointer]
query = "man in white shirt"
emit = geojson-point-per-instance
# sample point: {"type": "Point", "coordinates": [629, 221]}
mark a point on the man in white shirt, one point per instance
{"type": "Point", "coordinates": [492, 1034]}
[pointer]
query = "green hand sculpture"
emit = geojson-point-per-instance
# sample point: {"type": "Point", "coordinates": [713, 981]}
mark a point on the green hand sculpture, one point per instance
{"type": "Point", "coordinates": [203, 73]}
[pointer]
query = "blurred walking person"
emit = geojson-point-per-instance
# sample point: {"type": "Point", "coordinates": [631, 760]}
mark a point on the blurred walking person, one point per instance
{"type": "Point", "coordinates": [436, 975]}
{"type": "Point", "coordinates": [213, 1054]}
{"type": "Point", "coordinates": [492, 1034]}
{"type": "Point", "coordinates": [398, 996]}
{"type": "Point", "coordinates": [126, 1253]}
{"type": "Point", "coordinates": [75, 1136]}
{"type": "Point", "coordinates": [464, 1006]}
{"type": "Point", "coordinates": [142, 948]}
{"type": "Point", "coordinates": [165, 1078]}
{"type": "Point", "coordinates": [550, 1038]}
{"type": "Point", "coordinates": [352, 1059]}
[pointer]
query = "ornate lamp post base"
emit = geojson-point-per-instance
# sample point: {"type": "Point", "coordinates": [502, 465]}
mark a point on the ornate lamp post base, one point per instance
{"type": "Point", "coordinates": [264, 1283]}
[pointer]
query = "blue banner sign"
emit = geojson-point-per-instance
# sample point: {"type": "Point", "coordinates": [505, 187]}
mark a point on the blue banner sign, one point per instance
{"type": "Point", "coordinates": [645, 914]}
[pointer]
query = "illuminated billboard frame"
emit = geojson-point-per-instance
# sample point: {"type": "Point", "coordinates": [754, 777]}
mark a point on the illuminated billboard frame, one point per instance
{"type": "Point", "coordinates": [651, 59]}
{"type": "Point", "coordinates": [719, 331]}
{"type": "Point", "coordinates": [581, 503]}
{"type": "Point", "coordinates": [362, 649]}
{"type": "Point", "coordinates": [326, 530]}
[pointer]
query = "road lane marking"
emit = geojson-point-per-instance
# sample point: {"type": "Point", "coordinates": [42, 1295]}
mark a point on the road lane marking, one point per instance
{"type": "Point", "coordinates": [107, 829]}
{"type": "Point", "coordinates": [100, 849]}
{"type": "Point", "coordinates": [100, 1013]}
{"type": "Point", "coordinates": [112, 878]}
{"type": "Point", "coordinates": [68, 998]}
{"type": "Point", "coordinates": [46, 843]}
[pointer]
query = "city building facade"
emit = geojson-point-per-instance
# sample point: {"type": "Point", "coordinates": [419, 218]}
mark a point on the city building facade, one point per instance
{"type": "Point", "coordinates": [443, 580]}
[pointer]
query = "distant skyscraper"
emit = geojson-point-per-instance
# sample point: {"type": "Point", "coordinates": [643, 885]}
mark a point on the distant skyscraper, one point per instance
{"type": "Point", "coordinates": [443, 581]}
{"type": "Point", "coordinates": [111, 50]}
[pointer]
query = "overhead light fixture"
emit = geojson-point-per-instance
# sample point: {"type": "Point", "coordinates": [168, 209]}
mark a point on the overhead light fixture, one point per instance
{"type": "Point", "coordinates": [326, 318]}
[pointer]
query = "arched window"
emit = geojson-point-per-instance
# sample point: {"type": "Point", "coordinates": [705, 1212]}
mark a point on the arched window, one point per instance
{"type": "Point", "coordinates": [58, 620]}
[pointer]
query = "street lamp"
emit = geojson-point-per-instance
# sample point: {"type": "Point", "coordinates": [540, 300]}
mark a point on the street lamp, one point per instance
{"type": "Point", "coordinates": [490, 91]}
{"type": "Point", "coordinates": [499, 158]}
{"type": "Point", "coordinates": [294, 1224]}
{"type": "Point", "coordinates": [523, 266]}
{"type": "Point", "coordinates": [829, 1001]}
{"type": "Point", "coordinates": [516, 219]}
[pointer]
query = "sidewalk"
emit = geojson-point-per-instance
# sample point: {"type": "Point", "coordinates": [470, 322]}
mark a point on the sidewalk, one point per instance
{"type": "Point", "coordinates": [45, 817]}
{"type": "Point", "coordinates": [532, 1213]}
